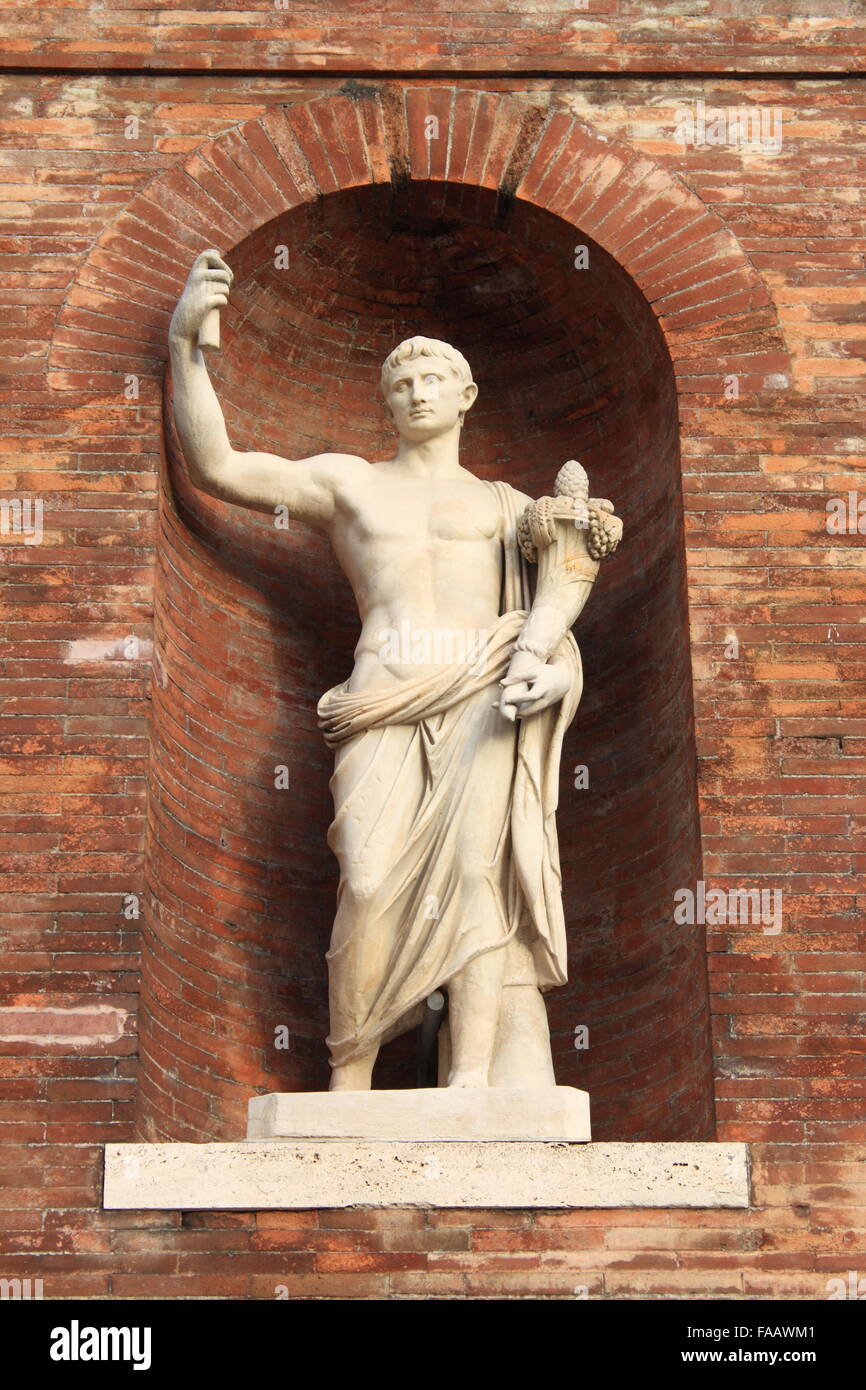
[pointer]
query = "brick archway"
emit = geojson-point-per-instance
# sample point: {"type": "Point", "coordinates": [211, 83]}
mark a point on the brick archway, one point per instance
{"type": "Point", "coordinates": [711, 304]}
{"type": "Point", "coordinates": [219, 972]}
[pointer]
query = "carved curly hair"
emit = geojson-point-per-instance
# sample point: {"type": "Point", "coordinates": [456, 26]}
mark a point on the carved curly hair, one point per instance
{"type": "Point", "coordinates": [411, 348]}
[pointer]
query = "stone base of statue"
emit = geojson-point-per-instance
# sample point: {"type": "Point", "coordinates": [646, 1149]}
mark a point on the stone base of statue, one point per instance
{"type": "Point", "coordinates": [557, 1114]}
{"type": "Point", "coordinates": [310, 1174]}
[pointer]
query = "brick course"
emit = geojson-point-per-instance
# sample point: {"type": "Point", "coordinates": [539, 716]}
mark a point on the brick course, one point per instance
{"type": "Point", "coordinates": [598, 35]}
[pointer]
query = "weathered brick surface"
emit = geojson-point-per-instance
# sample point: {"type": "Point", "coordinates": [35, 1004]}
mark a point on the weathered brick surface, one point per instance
{"type": "Point", "coordinates": [780, 728]}
{"type": "Point", "coordinates": [578, 36]}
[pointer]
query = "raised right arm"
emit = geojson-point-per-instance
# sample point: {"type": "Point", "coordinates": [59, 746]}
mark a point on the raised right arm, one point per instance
{"type": "Point", "coordinates": [261, 482]}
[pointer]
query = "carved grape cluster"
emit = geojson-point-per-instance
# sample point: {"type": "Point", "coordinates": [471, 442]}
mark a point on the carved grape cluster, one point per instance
{"type": "Point", "coordinates": [605, 531]}
{"type": "Point", "coordinates": [524, 533]}
{"type": "Point", "coordinates": [536, 528]}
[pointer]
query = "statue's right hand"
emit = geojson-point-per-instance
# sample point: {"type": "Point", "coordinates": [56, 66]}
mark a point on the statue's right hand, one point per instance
{"type": "Point", "coordinates": [207, 288]}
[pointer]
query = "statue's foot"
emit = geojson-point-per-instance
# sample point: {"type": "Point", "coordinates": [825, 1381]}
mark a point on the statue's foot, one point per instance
{"type": "Point", "coordinates": [476, 1079]}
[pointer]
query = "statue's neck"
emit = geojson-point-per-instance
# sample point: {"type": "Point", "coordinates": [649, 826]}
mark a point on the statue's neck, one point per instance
{"type": "Point", "coordinates": [431, 458]}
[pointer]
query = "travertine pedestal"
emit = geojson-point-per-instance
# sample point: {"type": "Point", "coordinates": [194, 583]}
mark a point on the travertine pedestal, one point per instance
{"type": "Point", "coordinates": [552, 1113]}
{"type": "Point", "coordinates": [310, 1174]}
{"type": "Point", "coordinates": [475, 1152]}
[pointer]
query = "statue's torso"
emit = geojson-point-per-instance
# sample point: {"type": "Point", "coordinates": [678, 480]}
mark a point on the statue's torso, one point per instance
{"type": "Point", "coordinates": [424, 558]}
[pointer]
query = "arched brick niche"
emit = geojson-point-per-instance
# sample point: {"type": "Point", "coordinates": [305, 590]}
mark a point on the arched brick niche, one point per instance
{"type": "Point", "coordinates": [470, 236]}
{"type": "Point", "coordinates": [255, 622]}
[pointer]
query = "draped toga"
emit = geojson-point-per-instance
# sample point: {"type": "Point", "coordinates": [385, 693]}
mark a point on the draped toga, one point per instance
{"type": "Point", "coordinates": [432, 875]}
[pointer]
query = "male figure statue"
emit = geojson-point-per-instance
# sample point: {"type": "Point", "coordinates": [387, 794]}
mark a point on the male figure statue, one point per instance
{"type": "Point", "coordinates": [445, 803]}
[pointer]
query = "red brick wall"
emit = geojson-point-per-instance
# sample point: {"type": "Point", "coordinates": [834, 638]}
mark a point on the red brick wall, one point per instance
{"type": "Point", "coordinates": [779, 728]}
{"type": "Point", "coordinates": [352, 35]}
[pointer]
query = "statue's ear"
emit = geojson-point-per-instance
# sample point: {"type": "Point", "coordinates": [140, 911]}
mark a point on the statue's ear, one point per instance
{"type": "Point", "coordinates": [468, 396]}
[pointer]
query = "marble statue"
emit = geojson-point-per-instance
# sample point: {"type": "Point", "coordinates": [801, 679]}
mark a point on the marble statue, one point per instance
{"type": "Point", "coordinates": [447, 734]}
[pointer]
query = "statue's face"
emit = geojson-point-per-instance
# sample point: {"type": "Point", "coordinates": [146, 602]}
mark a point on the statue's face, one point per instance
{"type": "Point", "coordinates": [425, 397]}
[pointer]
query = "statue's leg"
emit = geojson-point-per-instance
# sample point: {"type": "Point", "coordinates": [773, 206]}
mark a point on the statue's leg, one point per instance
{"type": "Point", "coordinates": [475, 992]}
{"type": "Point", "coordinates": [521, 1055]}
{"type": "Point", "coordinates": [521, 1052]}
{"type": "Point", "coordinates": [474, 998]}
{"type": "Point", "coordinates": [354, 1076]}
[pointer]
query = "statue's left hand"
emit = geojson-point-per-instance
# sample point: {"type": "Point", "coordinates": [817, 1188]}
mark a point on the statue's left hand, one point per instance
{"type": "Point", "coordinates": [529, 693]}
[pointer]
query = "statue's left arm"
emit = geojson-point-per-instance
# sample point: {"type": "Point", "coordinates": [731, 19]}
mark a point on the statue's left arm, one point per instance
{"type": "Point", "coordinates": [567, 571]}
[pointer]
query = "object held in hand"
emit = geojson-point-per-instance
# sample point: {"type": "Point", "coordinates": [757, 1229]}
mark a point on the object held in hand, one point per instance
{"type": "Point", "coordinates": [537, 529]}
{"type": "Point", "coordinates": [209, 333]}
{"type": "Point", "coordinates": [566, 536]}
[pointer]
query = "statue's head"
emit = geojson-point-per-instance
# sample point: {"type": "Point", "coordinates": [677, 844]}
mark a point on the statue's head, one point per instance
{"type": "Point", "coordinates": [427, 387]}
